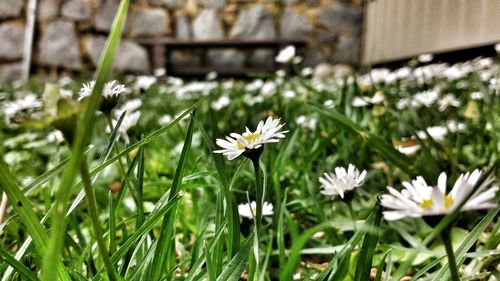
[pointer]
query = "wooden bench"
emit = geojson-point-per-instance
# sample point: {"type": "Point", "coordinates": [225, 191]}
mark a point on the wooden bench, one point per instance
{"type": "Point", "coordinates": [161, 49]}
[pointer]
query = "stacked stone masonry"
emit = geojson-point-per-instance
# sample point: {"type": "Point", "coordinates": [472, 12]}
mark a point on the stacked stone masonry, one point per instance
{"type": "Point", "coordinates": [70, 34]}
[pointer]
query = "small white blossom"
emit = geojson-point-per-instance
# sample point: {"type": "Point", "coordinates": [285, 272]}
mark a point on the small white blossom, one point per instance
{"type": "Point", "coordinates": [129, 121]}
{"type": "Point", "coordinates": [341, 181]}
{"type": "Point", "coordinates": [144, 82]}
{"type": "Point", "coordinates": [129, 107]}
{"type": "Point", "coordinates": [287, 55]}
{"type": "Point", "coordinates": [165, 119]}
{"type": "Point", "coordinates": [437, 133]}
{"type": "Point", "coordinates": [111, 89]}
{"type": "Point", "coordinates": [408, 150]}
{"type": "Point", "coordinates": [249, 210]}
{"type": "Point", "coordinates": [425, 58]}
{"type": "Point", "coordinates": [329, 104]}
{"type": "Point", "coordinates": [418, 199]}
{"type": "Point", "coordinates": [220, 103]}
{"type": "Point", "coordinates": [235, 144]}
{"type": "Point", "coordinates": [477, 95]}
{"type": "Point", "coordinates": [447, 101]}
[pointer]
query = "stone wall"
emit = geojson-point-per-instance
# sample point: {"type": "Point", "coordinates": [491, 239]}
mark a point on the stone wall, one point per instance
{"type": "Point", "coordinates": [70, 34]}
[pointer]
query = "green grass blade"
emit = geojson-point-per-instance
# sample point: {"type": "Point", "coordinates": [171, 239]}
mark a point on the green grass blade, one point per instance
{"type": "Point", "coordinates": [24, 210]}
{"type": "Point", "coordinates": [82, 138]}
{"type": "Point", "coordinates": [426, 268]}
{"type": "Point", "coordinates": [295, 253]}
{"type": "Point", "coordinates": [365, 258]}
{"type": "Point", "coordinates": [18, 267]}
{"type": "Point", "coordinates": [280, 235]}
{"type": "Point", "coordinates": [468, 242]}
{"type": "Point", "coordinates": [198, 264]}
{"type": "Point", "coordinates": [165, 252]}
{"type": "Point", "coordinates": [233, 270]}
{"type": "Point", "coordinates": [380, 266]}
{"type": "Point", "coordinates": [402, 161]}
{"type": "Point", "coordinates": [348, 247]}
{"type": "Point", "coordinates": [232, 208]}
{"type": "Point", "coordinates": [146, 227]}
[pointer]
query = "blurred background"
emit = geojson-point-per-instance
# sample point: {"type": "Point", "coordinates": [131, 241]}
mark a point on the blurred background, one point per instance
{"type": "Point", "coordinates": [66, 37]}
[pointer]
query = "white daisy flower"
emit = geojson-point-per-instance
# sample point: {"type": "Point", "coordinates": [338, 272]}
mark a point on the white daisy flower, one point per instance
{"type": "Point", "coordinates": [418, 199]}
{"type": "Point", "coordinates": [268, 89]}
{"type": "Point", "coordinates": [342, 181]}
{"type": "Point", "coordinates": [497, 48]}
{"type": "Point", "coordinates": [447, 101]}
{"type": "Point", "coordinates": [248, 210]}
{"type": "Point", "coordinates": [112, 89]}
{"type": "Point", "coordinates": [329, 104]}
{"type": "Point", "coordinates": [267, 132]}
{"type": "Point", "coordinates": [306, 71]}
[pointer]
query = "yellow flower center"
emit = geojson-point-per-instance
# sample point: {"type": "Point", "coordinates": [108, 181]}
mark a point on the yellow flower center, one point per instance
{"type": "Point", "coordinates": [426, 204]}
{"type": "Point", "coordinates": [239, 145]}
{"type": "Point", "coordinates": [251, 137]}
{"type": "Point", "coordinates": [448, 201]}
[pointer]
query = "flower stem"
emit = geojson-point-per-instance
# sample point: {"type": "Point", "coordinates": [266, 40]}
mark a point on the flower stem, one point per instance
{"type": "Point", "coordinates": [446, 236]}
{"type": "Point", "coordinates": [94, 218]}
{"type": "Point", "coordinates": [259, 192]}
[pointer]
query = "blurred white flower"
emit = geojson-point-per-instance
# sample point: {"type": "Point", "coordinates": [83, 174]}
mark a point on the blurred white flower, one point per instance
{"type": "Point", "coordinates": [341, 181]}
{"type": "Point", "coordinates": [111, 89]}
{"type": "Point", "coordinates": [477, 95]}
{"type": "Point", "coordinates": [220, 103]}
{"type": "Point", "coordinates": [329, 104]}
{"type": "Point", "coordinates": [144, 82]}
{"type": "Point", "coordinates": [447, 101]}
{"type": "Point", "coordinates": [360, 101]}
{"type": "Point", "coordinates": [235, 144]}
{"type": "Point", "coordinates": [251, 100]}
{"type": "Point", "coordinates": [212, 75]}
{"type": "Point", "coordinates": [129, 121]}
{"type": "Point", "coordinates": [426, 98]}
{"type": "Point", "coordinates": [55, 137]}
{"type": "Point", "coordinates": [160, 72]}
{"type": "Point", "coordinates": [289, 94]}
{"type": "Point", "coordinates": [255, 85]}
{"type": "Point", "coordinates": [408, 150]}
{"type": "Point", "coordinates": [248, 210]}
{"type": "Point", "coordinates": [129, 107]}
{"type": "Point", "coordinates": [287, 55]}
{"type": "Point", "coordinates": [437, 133]}
{"type": "Point", "coordinates": [418, 199]}
{"type": "Point", "coordinates": [309, 122]}
{"type": "Point", "coordinates": [497, 48]}
{"type": "Point", "coordinates": [425, 58]}
{"type": "Point", "coordinates": [454, 126]}
{"type": "Point", "coordinates": [23, 105]}
{"type": "Point", "coordinates": [306, 71]}
{"type": "Point", "coordinates": [268, 89]}
{"type": "Point", "coordinates": [165, 119]}
{"type": "Point", "coordinates": [281, 73]}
